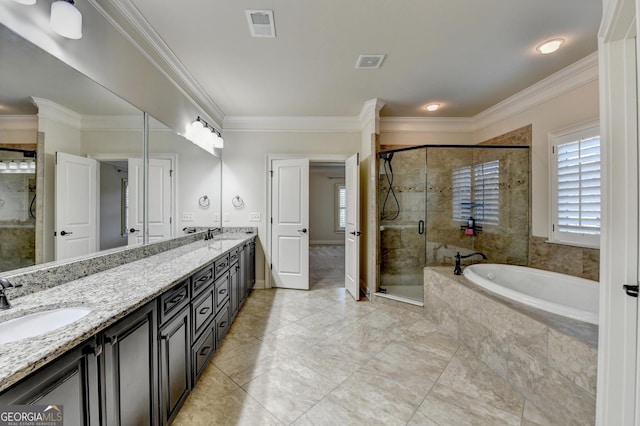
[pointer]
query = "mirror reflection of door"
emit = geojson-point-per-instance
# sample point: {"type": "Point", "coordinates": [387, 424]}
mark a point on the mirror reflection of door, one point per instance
{"type": "Point", "coordinates": [76, 219]}
{"type": "Point", "coordinates": [114, 204]}
{"type": "Point", "coordinates": [159, 200]}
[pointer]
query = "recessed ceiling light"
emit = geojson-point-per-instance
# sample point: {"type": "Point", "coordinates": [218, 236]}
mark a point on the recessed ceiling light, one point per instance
{"type": "Point", "coordinates": [432, 107]}
{"type": "Point", "coordinates": [550, 46]}
{"type": "Point", "coordinates": [369, 62]}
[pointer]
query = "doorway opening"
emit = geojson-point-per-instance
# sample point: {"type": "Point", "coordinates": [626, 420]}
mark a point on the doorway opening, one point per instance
{"type": "Point", "coordinates": [327, 216]}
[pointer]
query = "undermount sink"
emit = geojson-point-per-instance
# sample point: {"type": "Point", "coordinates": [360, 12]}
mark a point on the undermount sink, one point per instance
{"type": "Point", "coordinates": [39, 323]}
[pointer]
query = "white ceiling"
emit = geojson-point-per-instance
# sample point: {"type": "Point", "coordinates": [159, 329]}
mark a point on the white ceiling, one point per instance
{"type": "Point", "coordinates": [467, 55]}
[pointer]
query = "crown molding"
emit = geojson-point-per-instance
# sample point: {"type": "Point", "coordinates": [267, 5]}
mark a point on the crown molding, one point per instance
{"type": "Point", "coordinates": [426, 124]}
{"type": "Point", "coordinates": [57, 113]}
{"type": "Point", "coordinates": [133, 17]}
{"type": "Point", "coordinates": [118, 123]}
{"type": "Point", "coordinates": [290, 124]}
{"type": "Point", "coordinates": [18, 122]}
{"type": "Point", "coordinates": [567, 79]}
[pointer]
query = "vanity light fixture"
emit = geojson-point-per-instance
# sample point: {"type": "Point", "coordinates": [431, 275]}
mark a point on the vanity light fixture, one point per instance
{"type": "Point", "coordinates": [3, 165]}
{"type": "Point", "coordinates": [32, 165]}
{"type": "Point", "coordinates": [432, 107]}
{"type": "Point", "coordinates": [65, 19]}
{"type": "Point", "coordinates": [23, 165]}
{"type": "Point", "coordinates": [205, 136]}
{"type": "Point", "coordinates": [550, 46]}
{"type": "Point", "coordinates": [13, 165]}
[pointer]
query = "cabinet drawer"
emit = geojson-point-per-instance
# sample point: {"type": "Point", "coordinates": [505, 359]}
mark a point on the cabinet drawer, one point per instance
{"type": "Point", "coordinates": [174, 300]}
{"type": "Point", "coordinates": [202, 312]}
{"type": "Point", "coordinates": [202, 351]}
{"type": "Point", "coordinates": [222, 291]}
{"type": "Point", "coordinates": [201, 279]}
{"type": "Point", "coordinates": [233, 256]}
{"type": "Point", "coordinates": [221, 265]}
{"type": "Point", "coordinates": [223, 321]}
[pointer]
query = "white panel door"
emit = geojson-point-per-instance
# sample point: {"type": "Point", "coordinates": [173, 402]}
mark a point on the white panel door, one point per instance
{"type": "Point", "coordinates": [76, 182]}
{"type": "Point", "coordinates": [352, 229]}
{"type": "Point", "coordinates": [159, 200]}
{"type": "Point", "coordinates": [290, 216]}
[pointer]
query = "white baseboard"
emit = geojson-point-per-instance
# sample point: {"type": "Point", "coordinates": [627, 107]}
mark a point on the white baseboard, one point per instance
{"type": "Point", "coordinates": [326, 242]}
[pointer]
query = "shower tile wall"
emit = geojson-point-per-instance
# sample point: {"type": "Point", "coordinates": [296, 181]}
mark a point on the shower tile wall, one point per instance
{"type": "Point", "coordinates": [403, 255]}
{"type": "Point", "coordinates": [504, 242]}
{"type": "Point", "coordinates": [17, 227]}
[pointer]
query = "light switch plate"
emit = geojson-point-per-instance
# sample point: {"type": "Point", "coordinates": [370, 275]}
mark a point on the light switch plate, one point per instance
{"type": "Point", "coordinates": [187, 217]}
{"type": "Point", "coordinates": [216, 217]}
{"type": "Point", "coordinates": [254, 217]}
{"type": "Point", "coordinates": [227, 217]}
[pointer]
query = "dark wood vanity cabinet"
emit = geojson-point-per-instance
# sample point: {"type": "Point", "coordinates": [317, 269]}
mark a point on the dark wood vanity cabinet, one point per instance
{"type": "Point", "coordinates": [140, 370]}
{"type": "Point", "coordinates": [70, 381]}
{"type": "Point", "coordinates": [130, 369]}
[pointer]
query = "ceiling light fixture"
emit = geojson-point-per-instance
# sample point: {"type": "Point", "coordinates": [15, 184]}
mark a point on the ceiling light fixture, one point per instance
{"type": "Point", "coordinates": [550, 46]}
{"type": "Point", "coordinates": [65, 19]}
{"type": "Point", "coordinates": [432, 107]}
{"type": "Point", "coordinates": [205, 136]}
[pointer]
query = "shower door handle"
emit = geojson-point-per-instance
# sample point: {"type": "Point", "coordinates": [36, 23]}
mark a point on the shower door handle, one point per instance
{"type": "Point", "coordinates": [421, 227]}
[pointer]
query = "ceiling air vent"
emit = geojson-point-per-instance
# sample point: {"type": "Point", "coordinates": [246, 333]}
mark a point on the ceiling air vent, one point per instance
{"type": "Point", "coordinates": [261, 23]}
{"type": "Point", "coordinates": [369, 62]}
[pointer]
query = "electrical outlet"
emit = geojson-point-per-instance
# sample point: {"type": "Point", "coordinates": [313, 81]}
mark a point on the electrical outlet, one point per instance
{"type": "Point", "coordinates": [216, 217]}
{"type": "Point", "coordinates": [227, 217]}
{"type": "Point", "coordinates": [187, 217]}
{"type": "Point", "coordinates": [254, 217]}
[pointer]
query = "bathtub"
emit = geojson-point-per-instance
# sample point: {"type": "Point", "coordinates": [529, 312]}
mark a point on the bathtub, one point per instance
{"type": "Point", "coordinates": [565, 295]}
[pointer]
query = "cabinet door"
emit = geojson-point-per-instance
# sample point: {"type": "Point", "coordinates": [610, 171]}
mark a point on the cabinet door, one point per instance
{"type": "Point", "coordinates": [242, 275]}
{"type": "Point", "coordinates": [234, 288]}
{"type": "Point", "coordinates": [70, 382]}
{"type": "Point", "coordinates": [251, 266]}
{"type": "Point", "coordinates": [130, 370]}
{"type": "Point", "coordinates": [175, 364]}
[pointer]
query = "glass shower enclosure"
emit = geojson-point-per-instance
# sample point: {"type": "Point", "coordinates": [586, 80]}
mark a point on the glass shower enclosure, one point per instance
{"type": "Point", "coordinates": [437, 200]}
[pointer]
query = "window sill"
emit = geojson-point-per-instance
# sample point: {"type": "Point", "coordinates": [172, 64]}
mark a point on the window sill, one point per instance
{"type": "Point", "coordinates": [572, 244]}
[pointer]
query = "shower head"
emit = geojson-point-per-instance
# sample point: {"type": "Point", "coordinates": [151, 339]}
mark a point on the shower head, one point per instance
{"type": "Point", "coordinates": [386, 155]}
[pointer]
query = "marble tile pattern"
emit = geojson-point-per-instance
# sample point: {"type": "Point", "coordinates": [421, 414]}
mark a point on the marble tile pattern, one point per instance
{"type": "Point", "coordinates": [552, 361]}
{"type": "Point", "coordinates": [319, 358]}
{"type": "Point", "coordinates": [570, 260]}
{"type": "Point", "coordinates": [112, 294]}
{"type": "Point", "coordinates": [51, 274]}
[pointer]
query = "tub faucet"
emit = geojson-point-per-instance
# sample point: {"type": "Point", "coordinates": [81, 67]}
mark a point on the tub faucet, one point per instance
{"type": "Point", "coordinates": [458, 269]}
{"type": "Point", "coordinates": [4, 299]}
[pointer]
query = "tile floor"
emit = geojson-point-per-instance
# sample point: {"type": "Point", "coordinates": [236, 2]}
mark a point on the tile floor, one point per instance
{"type": "Point", "coordinates": [320, 358]}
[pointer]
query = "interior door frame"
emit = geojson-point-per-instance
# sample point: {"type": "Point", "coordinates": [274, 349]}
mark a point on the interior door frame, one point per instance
{"type": "Point", "coordinates": [618, 375]}
{"type": "Point", "coordinates": [171, 156]}
{"type": "Point", "coordinates": [313, 158]}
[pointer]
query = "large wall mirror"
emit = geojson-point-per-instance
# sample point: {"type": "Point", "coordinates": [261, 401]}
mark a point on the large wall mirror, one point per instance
{"type": "Point", "coordinates": [71, 174]}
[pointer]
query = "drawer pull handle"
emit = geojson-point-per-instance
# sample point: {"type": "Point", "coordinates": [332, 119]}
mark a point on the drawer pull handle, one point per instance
{"type": "Point", "coordinates": [222, 291]}
{"type": "Point", "coordinates": [177, 299]}
{"type": "Point", "coordinates": [221, 266]}
{"type": "Point", "coordinates": [222, 324]}
{"type": "Point", "coordinates": [204, 310]}
{"type": "Point", "coordinates": [205, 350]}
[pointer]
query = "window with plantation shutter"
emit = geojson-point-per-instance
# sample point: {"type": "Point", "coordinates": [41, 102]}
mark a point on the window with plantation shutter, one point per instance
{"type": "Point", "coordinates": [576, 187]}
{"type": "Point", "coordinates": [341, 207]}
{"type": "Point", "coordinates": [476, 193]}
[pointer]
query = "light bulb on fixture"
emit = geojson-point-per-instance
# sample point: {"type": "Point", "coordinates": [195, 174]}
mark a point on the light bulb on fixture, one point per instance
{"type": "Point", "coordinates": [432, 107]}
{"type": "Point", "coordinates": [3, 165]}
{"type": "Point", "coordinates": [13, 165]}
{"type": "Point", "coordinates": [32, 165]}
{"type": "Point", "coordinates": [550, 46]}
{"type": "Point", "coordinates": [23, 165]}
{"type": "Point", "coordinates": [65, 19]}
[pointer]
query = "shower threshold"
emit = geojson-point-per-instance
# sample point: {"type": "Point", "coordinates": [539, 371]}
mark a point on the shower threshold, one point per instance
{"type": "Point", "coordinates": [399, 298]}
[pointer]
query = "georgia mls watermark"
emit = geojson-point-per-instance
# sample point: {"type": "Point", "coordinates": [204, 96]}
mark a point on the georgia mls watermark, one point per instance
{"type": "Point", "coordinates": [31, 415]}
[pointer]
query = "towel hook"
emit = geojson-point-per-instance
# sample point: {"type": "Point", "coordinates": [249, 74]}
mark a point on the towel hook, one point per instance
{"type": "Point", "coordinates": [204, 201]}
{"type": "Point", "coordinates": [237, 202]}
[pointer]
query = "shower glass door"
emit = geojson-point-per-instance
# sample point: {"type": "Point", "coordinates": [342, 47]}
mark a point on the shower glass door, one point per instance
{"type": "Point", "coordinates": [402, 199]}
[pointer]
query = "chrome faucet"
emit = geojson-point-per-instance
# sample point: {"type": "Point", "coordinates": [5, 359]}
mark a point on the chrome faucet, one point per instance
{"type": "Point", "coordinates": [4, 299]}
{"type": "Point", "coordinates": [458, 269]}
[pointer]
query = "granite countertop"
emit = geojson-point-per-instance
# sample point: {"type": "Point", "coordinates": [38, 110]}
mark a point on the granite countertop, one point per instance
{"type": "Point", "coordinates": [112, 295]}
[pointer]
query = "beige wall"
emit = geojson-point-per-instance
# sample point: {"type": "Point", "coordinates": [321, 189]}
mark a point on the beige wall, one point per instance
{"type": "Point", "coordinates": [244, 171]}
{"type": "Point", "coordinates": [576, 106]}
{"type": "Point", "coordinates": [322, 204]}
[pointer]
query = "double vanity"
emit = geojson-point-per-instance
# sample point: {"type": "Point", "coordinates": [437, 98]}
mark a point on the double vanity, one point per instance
{"type": "Point", "coordinates": [142, 334]}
